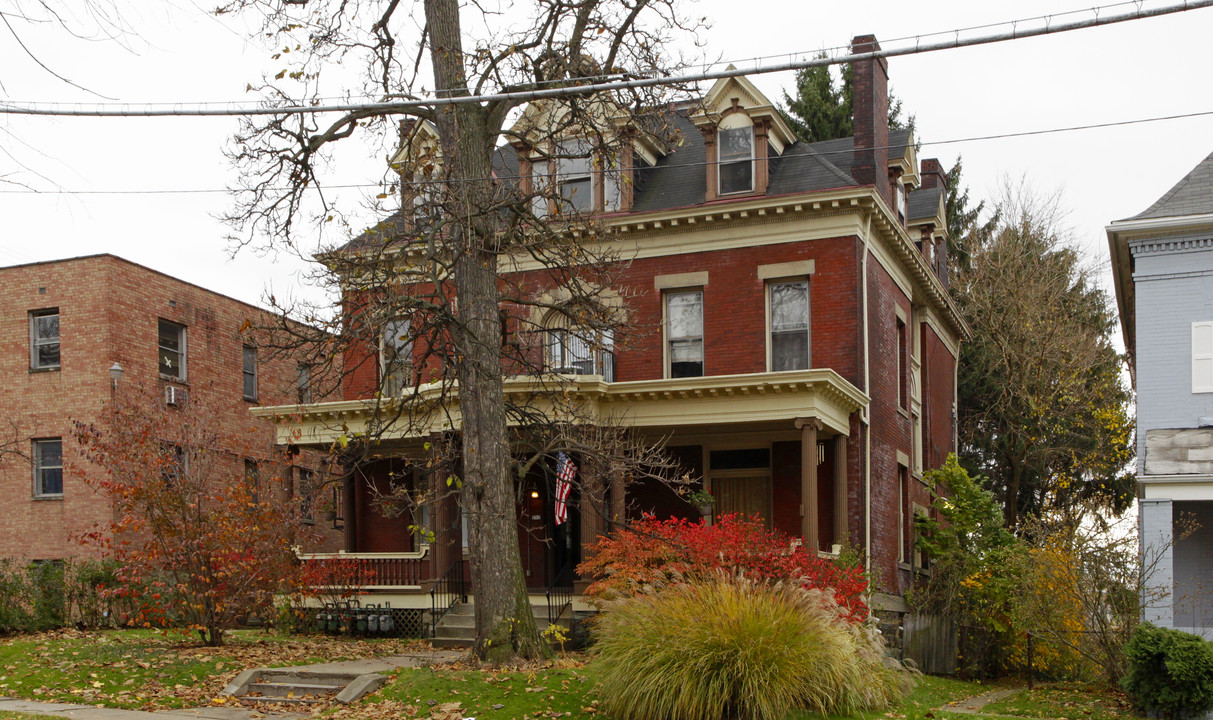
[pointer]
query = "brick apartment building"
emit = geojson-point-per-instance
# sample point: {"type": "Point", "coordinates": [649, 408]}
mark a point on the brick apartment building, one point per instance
{"type": "Point", "coordinates": [801, 357]}
{"type": "Point", "coordinates": [63, 325]}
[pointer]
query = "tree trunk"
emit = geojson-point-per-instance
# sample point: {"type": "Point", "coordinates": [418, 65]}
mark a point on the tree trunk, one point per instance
{"type": "Point", "coordinates": [505, 627]}
{"type": "Point", "coordinates": [1010, 508]}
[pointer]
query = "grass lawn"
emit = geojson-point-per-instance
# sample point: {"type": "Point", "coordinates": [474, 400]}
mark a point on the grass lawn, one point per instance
{"type": "Point", "coordinates": [23, 716]}
{"type": "Point", "coordinates": [147, 670]}
{"type": "Point", "coordinates": [150, 671]}
{"type": "Point", "coordinates": [1066, 701]}
{"type": "Point", "coordinates": [565, 689]}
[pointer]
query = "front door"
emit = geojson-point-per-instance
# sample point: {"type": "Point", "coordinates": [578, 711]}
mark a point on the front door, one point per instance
{"type": "Point", "coordinates": [743, 494]}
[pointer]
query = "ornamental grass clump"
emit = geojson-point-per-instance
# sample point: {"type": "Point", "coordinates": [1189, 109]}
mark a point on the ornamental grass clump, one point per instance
{"type": "Point", "coordinates": [729, 647]}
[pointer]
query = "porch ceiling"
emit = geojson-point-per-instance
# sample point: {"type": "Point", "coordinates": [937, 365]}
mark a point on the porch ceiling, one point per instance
{"type": "Point", "coordinates": [681, 402]}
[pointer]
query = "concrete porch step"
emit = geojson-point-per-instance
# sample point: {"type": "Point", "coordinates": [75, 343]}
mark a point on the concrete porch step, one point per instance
{"type": "Point", "coordinates": [457, 628]}
{"type": "Point", "coordinates": [301, 686]}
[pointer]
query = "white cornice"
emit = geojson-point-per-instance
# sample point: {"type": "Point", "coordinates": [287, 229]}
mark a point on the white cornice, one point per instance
{"type": "Point", "coordinates": [661, 403]}
{"type": "Point", "coordinates": [1163, 224]}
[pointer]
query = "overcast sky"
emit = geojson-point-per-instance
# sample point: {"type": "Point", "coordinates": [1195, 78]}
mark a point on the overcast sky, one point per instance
{"type": "Point", "coordinates": [1142, 69]}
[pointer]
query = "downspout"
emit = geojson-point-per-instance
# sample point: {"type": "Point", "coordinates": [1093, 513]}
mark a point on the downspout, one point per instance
{"type": "Point", "coordinates": [865, 414]}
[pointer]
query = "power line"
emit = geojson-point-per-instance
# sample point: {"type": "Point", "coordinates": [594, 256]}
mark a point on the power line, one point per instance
{"type": "Point", "coordinates": [1045, 26]}
{"type": "Point", "coordinates": [345, 186]}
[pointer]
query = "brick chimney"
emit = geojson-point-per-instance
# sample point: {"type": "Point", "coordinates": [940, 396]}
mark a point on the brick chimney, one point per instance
{"type": "Point", "coordinates": [870, 80]}
{"type": "Point", "coordinates": [933, 175]}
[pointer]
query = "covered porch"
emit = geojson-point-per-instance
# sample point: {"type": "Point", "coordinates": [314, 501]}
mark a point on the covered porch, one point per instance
{"type": "Point", "coordinates": [776, 445]}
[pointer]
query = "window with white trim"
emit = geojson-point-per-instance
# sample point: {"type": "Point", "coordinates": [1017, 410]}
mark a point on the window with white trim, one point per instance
{"type": "Point", "coordinates": [44, 339]}
{"type": "Point", "coordinates": [396, 356]}
{"type": "Point", "coordinates": [684, 333]}
{"type": "Point", "coordinates": [735, 159]}
{"type": "Point", "coordinates": [789, 324]}
{"type": "Point", "coordinates": [48, 467]}
{"type": "Point", "coordinates": [172, 349]}
{"type": "Point", "coordinates": [1202, 357]}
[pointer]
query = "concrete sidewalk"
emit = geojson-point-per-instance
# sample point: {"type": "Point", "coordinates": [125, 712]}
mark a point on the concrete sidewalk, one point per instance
{"type": "Point", "coordinates": [90, 712]}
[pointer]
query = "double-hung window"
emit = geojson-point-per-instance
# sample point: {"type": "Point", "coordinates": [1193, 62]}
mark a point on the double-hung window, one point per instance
{"type": "Point", "coordinates": [735, 150]}
{"type": "Point", "coordinates": [789, 321]}
{"type": "Point", "coordinates": [684, 333]}
{"type": "Point", "coordinates": [44, 339]}
{"type": "Point", "coordinates": [303, 383]}
{"type": "Point", "coordinates": [48, 467]}
{"type": "Point", "coordinates": [1202, 357]}
{"type": "Point", "coordinates": [396, 356]}
{"type": "Point", "coordinates": [252, 480]}
{"type": "Point", "coordinates": [575, 177]}
{"type": "Point", "coordinates": [249, 360]}
{"type": "Point", "coordinates": [172, 350]}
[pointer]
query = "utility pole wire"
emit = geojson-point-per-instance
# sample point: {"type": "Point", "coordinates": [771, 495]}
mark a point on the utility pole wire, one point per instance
{"type": "Point", "coordinates": [404, 106]}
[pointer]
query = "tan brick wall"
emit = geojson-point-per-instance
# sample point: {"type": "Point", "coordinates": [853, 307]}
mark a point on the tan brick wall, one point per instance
{"type": "Point", "coordinates": [109, 311]}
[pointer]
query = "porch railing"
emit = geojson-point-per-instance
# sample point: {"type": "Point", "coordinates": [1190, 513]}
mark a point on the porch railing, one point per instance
{"type": "Point", "coordinates": [367, 570]}
{"type": "Point", "coordinates": [449, 590]}
{"type": "Point", "coordinates": [560, 593]}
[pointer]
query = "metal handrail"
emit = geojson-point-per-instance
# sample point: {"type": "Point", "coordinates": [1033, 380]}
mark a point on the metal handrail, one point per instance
{"type": "Point", "coordinates": [449, 590]}
{"type": "Point", "coordinates": [560, 593]}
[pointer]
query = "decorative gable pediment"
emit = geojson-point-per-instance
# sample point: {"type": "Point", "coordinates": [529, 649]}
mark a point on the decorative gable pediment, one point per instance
{"type": "Point", "coordinates": [733, 94]}
{"type": "Point", "coordinates": [420, 153]}
{"type": "Point", "coordinates": [548, 121]}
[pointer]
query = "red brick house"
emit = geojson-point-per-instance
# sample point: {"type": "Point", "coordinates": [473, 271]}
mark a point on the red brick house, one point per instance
{"type": "Point", "coordinates": [803, 362]}
{"type": "Point", "coordinates": [64, 325]}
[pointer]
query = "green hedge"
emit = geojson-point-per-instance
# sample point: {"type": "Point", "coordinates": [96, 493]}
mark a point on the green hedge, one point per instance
{"type": "Point", "coordinates": [1170, 672]}
{"type": "Point", "coordinates": [54, 594]}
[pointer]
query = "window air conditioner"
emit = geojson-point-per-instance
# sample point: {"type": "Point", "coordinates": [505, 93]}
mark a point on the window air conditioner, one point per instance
{"type": "Point", "coordinates": [175, 395]}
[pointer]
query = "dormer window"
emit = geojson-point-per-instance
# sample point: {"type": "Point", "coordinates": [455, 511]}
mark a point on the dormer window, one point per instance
{"type": "Point", "coordinates": [736, 159]}
{"type": "Point", "coordinates": [577, 179]}
{"type": "Point", "coordinates": [574, 177]}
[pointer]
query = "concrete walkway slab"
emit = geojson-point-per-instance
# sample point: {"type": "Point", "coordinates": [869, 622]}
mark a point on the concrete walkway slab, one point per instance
{"type": "Point", "coordinates": [973, 705]}
{"type": "Point", "coordinates": [90, 712]}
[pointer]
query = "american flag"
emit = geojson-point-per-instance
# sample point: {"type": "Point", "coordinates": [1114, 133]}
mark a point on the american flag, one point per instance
{"type": "Point", "coordinates": [565, 472]}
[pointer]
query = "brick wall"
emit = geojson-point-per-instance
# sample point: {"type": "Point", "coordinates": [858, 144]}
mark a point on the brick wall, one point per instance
{"type": "Point", "coordinates": [109, 311]}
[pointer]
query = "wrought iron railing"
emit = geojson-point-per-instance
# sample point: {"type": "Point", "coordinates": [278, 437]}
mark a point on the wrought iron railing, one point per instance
{"type": "Point", "coordinates": [449, 590]}
{"type": "Point", "coordinates": [560, 593]}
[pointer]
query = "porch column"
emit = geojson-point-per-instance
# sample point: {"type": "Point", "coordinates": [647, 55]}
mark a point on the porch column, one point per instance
{"type": "Point", "coordinates": [619, 507]}
{"type": "Point", "coordinates": [444, 513]}
{"type": "Point", "coordinates": [593, 514]}
{"type": "Point", "coordinates": [349, 507]}
{"type": "Point", "coordinates": [1157, 542]}
{"type": "Point", "coordinates": [809, 516]}
{"type": "Point", "coordinates": [840, 489]}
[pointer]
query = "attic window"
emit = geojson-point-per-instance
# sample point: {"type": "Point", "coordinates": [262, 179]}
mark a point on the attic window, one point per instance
{"type": "Point", "coordinates": [571, 182]}
{"type": "Point", "coordinates": [575, 181]}
{"type": "Point", "coordinates": [736, 159]}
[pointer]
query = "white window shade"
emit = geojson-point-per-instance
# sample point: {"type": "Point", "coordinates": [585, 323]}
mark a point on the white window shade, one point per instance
{"type": "Point", "coordinates": [684, 331]}
{"type": "Point", "coordinates": [1202, 357]}
{"type": "Point", "coordinates": [789, 325]}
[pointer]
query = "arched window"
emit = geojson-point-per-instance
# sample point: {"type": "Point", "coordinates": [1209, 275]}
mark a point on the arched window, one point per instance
{"type": "Point", "coordinates": [735, 154]}
{"type": "Point", "coordinates": [578, 351]}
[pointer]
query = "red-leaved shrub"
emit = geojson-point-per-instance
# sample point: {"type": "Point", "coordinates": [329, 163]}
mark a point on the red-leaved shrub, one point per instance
{"type": "Point", "coordinates": [654, 552]}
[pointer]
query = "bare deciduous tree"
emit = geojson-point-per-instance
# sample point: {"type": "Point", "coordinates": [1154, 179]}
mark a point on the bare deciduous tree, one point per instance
{"type": "Point", "coordinates": [467, 282]}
